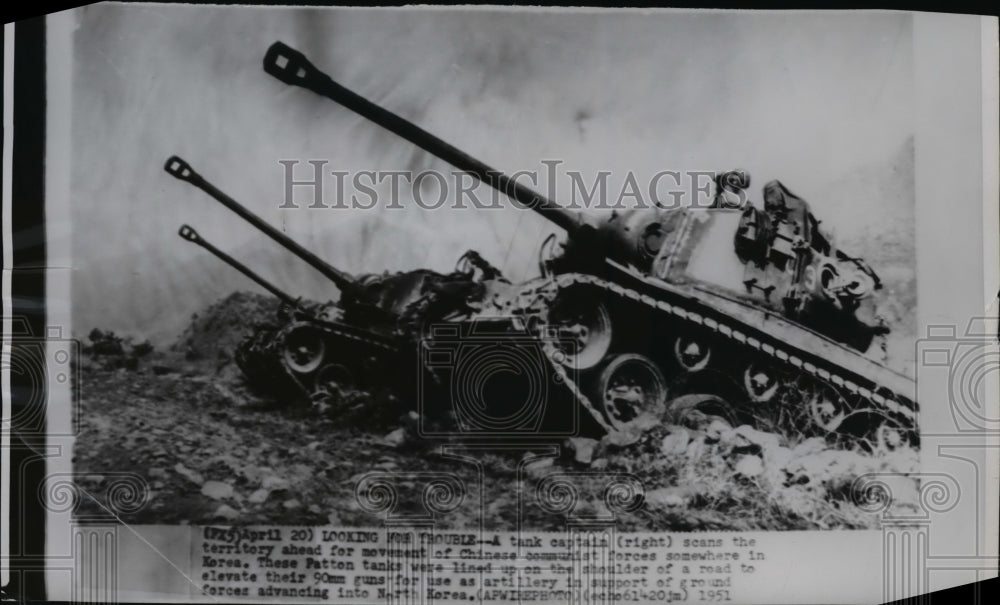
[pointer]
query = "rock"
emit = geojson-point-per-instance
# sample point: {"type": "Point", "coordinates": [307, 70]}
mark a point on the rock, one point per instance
{"type": "Point", "coordinates": [697, 449]}
{"type": "Point", "coordinates": [582, 448]}
{"type": "Point", "coordinates": [255, 474]}
{"type": "Point", "coordinates": [799, 501]}
{"type": "Point", "coordinates": [811, 445]}
{"type": "Point", "coordinates": [217, 490]}
{"type": "Point", "coordinates": [273, 482]}
{"type": "Point", "coordinates": [157, 473]}
{"type": "Point", "coordinates": [395, 438]}
{"type": "Point", "coordinates": [717, 430]}
{"type": "Point", "coordinates": [291, 504]}
{"type": "Point", "coordinates": [333, 518]}
{"type": "Point", "coordinates": [775, 461]}
{"type": "Point", "coordinates": [190, 475]}
{"type": "Point", "coordinates": [259, 496]}
{"type": "Point", "coordinates": [777, 457]}
{"type": "Point", "coordinates": [676, 442]}
{"type": "Point", "coordinates": [749, 466]}
{"type": "Point", "coordinates": [313, 509]}
{"type": "Point", "coordinates": [158, 484]}
{"type": "Point", "coordinates": [537, 467]}
{"type": "Point", "coordinates": [828, 466]}
{"type": "Point", "coordinates": [225, 512]}
{"type": "Point", "coordinates": [313, 445]}
{"type": "Point", "coordinates": [631, 432]}
{"type": "Point", "coordinates": [746, 439]}
{"type": "Point", "coordinates": [619, 439]}
{"type": "Point", "coordinates": [667, 496]}
{"type": "Point", "coordinates": [599, 464]}
{"type": "Point", "coordinates": [645, 421]}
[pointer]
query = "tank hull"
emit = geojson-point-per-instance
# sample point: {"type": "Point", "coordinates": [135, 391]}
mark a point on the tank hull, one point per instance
{"type": "Point", "coordinates": [820, 386]}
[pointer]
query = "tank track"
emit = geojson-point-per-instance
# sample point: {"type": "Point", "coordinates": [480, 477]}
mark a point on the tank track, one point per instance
{"type": "Point", "coordinates": [260, 356]}
{"type": "Point", "coordinates": [863, 397]}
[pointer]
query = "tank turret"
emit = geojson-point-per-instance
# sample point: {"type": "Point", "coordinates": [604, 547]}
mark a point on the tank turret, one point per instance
{"type": "Point", "coordinates": [319, 348]}
{"type": "Point", "coordinates": [316, 348]}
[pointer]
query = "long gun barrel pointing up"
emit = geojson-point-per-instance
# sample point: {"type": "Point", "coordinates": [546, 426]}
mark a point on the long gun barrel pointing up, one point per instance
{"type": "Point", "coordinates": [192, 236]}
{"type": "Point", "coordinates": [292, 67]}
{"type": "Point", "coordinates": [183, 171]}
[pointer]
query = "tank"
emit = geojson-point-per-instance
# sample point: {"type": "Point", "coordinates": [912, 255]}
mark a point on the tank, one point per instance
{"type": "Point", "coordinates": [323, 349]}
{"type": "Point", "coordinates": [755, 305]}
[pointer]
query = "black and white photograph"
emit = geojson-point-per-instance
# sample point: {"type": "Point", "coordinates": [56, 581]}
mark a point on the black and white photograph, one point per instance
{"type": "Point", "coordinates": [402, 230]}
{"type": "Point", "coordinates": [498, 272]}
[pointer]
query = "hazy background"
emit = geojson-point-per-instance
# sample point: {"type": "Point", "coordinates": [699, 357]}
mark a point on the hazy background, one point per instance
{"type": "Point", "coordinates": [821, 102]}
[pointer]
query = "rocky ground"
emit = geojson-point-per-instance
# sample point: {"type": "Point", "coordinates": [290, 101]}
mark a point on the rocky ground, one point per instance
{"type": "Point", "coordinates": [210, 450]}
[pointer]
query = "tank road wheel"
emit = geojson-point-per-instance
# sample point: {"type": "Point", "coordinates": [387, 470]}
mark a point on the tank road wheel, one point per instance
{"type": "Point", "coordinates": [761, 382]}
{"type": "Point", "coordinates": [334, 377]}
{"type": "Point", "coordinates": [583, 330]}
{"type": "Point", "coordinates": [827, 407]}
{"type": "Point", "coordinates": [628, 386]}
{"type": "Point", "coordinates": [692, 353]}
{"type": "Point", "coordinates": [304, 349]}
{"type": "Point", "coordinates": [890, 437]}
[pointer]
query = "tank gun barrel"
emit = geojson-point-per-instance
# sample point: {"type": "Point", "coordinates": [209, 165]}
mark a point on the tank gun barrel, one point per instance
{"type": "Point", "coordinates": [192, 236]}
{"type": "Point", "coordinates": [180, 169]}
{"type": "Point", "coordinates": [291, 67]}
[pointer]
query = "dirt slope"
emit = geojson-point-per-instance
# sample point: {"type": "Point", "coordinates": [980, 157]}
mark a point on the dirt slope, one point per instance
{"type": "Point", "coordinates": [210, 450]}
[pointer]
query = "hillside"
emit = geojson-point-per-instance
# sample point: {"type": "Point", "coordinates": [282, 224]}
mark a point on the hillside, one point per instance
{"type": "Point", "coordinates": [203, 447]}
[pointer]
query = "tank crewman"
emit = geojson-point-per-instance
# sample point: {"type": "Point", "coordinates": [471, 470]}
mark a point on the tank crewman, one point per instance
{"type": "Point", "coordinates": [784, 205]}
{"type": "Point", "coordinates": [730, 189]}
